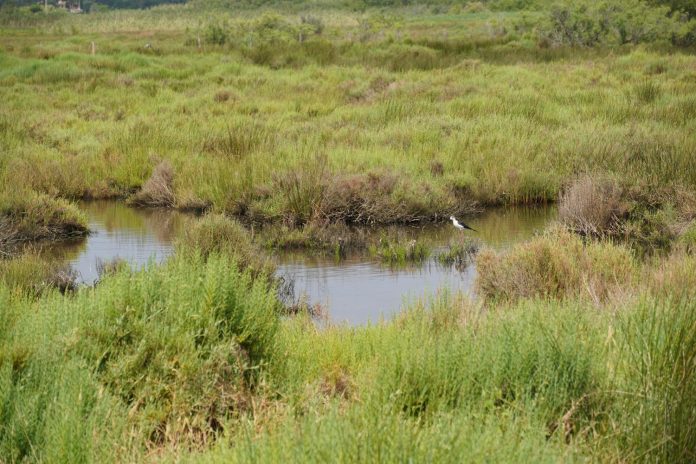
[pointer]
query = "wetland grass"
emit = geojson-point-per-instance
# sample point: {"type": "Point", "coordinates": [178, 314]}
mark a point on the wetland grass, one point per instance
{"type": "Point", "coordinates": [578, 349]}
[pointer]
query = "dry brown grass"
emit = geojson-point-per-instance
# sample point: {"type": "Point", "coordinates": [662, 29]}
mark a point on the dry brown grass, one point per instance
{"type": "Point", "coordinates": [158, 191]}
{"type": "Point", "coordinates": [592, 206]}
{"type": "Point", "coordinates": [674, 276]}
{"type": "Point", "coordinates": [386, 198]}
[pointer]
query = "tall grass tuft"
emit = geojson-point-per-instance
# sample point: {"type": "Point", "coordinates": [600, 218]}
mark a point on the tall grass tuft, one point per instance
{"type": "Point", "coordinates": [658, 406]}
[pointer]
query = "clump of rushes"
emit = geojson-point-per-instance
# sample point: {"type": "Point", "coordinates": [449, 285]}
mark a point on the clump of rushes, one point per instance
{"type": "Point", "coordinates": [646, 220]}
{"type": "Point", "coordinates": [397, 252]}
{"type": "Point", "coordinates": [218, 234]}
{"type": "Point", "coordinates": [158, 190]}
{"type": "Point", "coordinates": [40, 217]}
{"type": "Point", "coordinates": [460, 253]}
{"type": "Point", "coordinates": [592, 206]}
{"type": "Point", "coordinates": [332, 238]}
{"type": "Point", "coordinates": [556, 265]}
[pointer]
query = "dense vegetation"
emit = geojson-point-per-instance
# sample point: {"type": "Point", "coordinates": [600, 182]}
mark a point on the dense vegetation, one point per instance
{"type": "Point", "coordinates": [314, 117]}
{"type": "Point", "coordinates": [193, 360]}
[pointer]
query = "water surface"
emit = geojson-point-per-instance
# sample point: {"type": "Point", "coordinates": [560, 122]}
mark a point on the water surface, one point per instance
{"type": "Point", "coordinates": [356, 289]}
{"type": "Point", "coordinates": [119, 232]}
{"type": "Point", "coordinates": [360, 289]}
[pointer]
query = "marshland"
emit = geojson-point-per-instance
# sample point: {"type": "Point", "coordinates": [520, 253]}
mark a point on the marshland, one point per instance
{"type": "Point", "coordinates": [224, 231]}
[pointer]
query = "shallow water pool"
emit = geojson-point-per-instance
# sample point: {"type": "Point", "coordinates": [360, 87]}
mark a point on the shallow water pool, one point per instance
{"type": "Point", "coordinates": [356, 290]}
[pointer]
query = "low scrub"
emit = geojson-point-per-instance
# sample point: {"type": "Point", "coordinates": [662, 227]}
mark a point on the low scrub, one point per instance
{"type": "Point", "coordinates": [150, 359]}
{"type": "Point", "coordinates": [32, 274]}
{"type": "Point", "coordinates": [589, 23]}
{"type": "Point", "coordinates": [556, 265]}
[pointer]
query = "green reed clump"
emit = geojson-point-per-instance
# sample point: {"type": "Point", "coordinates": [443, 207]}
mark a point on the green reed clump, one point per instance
{"type": "Point", "coordinates": [218, 234]}
{"type": "Point", "coordinates": [398, 252]}
{"type": "Point", "coordinates": [656, 418]}
{"type": "Point", "coordinates": [459, 253]}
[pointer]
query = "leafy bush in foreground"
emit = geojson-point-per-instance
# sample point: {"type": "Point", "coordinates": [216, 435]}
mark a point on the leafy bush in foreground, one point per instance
{"type": "Point", "coordinates": [145, 359]}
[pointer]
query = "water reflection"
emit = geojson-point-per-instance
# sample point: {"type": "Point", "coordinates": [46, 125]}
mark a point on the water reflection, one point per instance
{"type": "Point", "coordinates": [119, 232]}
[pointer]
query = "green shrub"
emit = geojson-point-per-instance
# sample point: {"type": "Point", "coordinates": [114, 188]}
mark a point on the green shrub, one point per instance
{"type": "Point", "coordinates": [216, 34]}
{"type": "Point", "coordinates": [153, 358]}
{"type": "Point", "coordinates": [587, 23]}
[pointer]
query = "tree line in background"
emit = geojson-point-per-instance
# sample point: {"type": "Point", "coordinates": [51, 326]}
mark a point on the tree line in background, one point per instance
{"type": "Point", "coordinates": [575, 23]}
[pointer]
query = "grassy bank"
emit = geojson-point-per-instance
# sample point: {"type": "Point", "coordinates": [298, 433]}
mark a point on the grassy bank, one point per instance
{"type": "Point", "coordinates": [192, 361]}
{"type": "Point", "coordinates": [27, 218]}
{"type": "Point", "coordinates": [366, 118]}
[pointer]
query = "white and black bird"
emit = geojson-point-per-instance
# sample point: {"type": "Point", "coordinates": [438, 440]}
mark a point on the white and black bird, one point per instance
{"type": "Point", "coordinates": [460, 225]}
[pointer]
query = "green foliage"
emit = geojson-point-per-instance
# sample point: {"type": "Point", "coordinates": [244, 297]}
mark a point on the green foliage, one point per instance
{"type": "Point", "coordinates": [688, 238]}
{"type": "Point", "coordinates": [589, 24]}
{"type": "Point", "coordinates": [686, 6]}
{"type": "Point", "coordinates": [164, 355]}
{"type": "Point", "coordinates": [659, 342]}
{"type": "Point", "coordinates": [396, 252]}
{"type": "Point", "coordinates": [459, 253]}
{"type": "Point", "coordinates": [217, 234]}
{"type": "Point", "coordinates": [31, 217]}
{"type": "Point", "coordinates": [216, 34]}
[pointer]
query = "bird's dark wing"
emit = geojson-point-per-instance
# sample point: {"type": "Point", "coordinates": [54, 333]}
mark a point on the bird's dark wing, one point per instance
{"type": "Point", "coordinates": [467, 227]}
